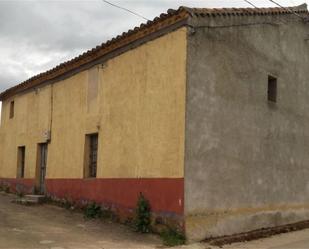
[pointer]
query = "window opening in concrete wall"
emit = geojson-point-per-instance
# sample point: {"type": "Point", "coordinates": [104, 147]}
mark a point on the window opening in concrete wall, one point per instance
{"type": "Point", "coordinates": [12, 106]}
{"type": "Point", "coordinates": [272, 89]}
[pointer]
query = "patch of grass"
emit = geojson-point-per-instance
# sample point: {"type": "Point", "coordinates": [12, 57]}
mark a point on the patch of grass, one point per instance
{"type": "Point", "coordinates": [172, 237]}
{"type": "Point", "coordinates": [93, 211]}
{"type": "Point", "coordinates": [63, 203]}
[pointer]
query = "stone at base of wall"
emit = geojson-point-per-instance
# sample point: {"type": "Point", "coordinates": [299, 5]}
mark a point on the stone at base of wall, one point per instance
{"type": "Point", "coordinates": [200, 227]}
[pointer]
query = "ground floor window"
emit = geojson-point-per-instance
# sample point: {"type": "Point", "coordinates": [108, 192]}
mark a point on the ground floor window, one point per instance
{"type": "Point", "coordinates": [21, 161]}
{"type": "Point", "coordinates": [91, 155]}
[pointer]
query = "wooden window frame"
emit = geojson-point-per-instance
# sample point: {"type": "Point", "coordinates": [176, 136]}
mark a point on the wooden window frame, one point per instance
{"type": "Point", "coordinates": [91, 155]}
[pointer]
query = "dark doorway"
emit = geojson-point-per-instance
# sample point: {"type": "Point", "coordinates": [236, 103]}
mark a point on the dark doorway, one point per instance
{"type": "Point", "coordinates": [41, 167]}
{"type": "Point", "coordinates": [21, 162]}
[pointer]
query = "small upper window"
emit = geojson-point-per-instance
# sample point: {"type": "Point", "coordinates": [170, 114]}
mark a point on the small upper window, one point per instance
{"type": "Point", "coordinates": [12, 109]}
{"type": "Point", "coordinates": [272, 89]}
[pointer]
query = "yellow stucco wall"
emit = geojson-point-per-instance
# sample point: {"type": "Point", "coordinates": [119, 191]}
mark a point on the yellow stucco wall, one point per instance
{"type": "Point", "coordinates": [135, 101]}
{"type": "Point", "coordinates": [31, 120]}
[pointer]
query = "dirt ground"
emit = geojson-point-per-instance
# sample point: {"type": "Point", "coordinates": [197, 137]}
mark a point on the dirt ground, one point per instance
{"type": "Point", "coordinates": [51, 227]}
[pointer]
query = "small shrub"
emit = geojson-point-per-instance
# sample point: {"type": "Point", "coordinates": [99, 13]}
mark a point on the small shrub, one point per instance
{"type": "Point", "coordinates": [172, 237]}
{"type": "Point", "coordinates": [143, 215]}
{"type": "Point", "coordinates": [93, 211]}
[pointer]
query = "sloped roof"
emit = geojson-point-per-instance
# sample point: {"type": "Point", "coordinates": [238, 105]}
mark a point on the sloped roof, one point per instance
{"type": "Point", "coordinates": [158, 23]}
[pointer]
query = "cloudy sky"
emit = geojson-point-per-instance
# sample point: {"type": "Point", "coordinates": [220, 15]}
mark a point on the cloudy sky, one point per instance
{"type": "Point", "coordinates": [39, 34]}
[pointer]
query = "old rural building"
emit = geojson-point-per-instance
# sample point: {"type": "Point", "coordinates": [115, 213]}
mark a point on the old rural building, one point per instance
{"type": "Point", "coordinates": [205, 111]}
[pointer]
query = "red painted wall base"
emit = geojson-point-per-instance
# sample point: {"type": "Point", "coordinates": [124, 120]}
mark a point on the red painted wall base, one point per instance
{"type": "Point", "coordinates": [166, 195]}
{"type": "Point", "coordinates": [18, 185]}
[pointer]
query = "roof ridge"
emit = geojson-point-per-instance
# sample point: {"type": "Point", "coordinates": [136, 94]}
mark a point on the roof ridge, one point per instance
{"type": "Point", "coordinates": [302, 7]}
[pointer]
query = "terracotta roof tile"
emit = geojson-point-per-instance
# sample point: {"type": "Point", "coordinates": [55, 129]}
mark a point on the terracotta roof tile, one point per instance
{"type": "Point", "coordinates": [164, 20]}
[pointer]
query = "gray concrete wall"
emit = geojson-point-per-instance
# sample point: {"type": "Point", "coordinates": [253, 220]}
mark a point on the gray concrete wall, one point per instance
{"type": "Point", "coordinates": [247, 160]}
